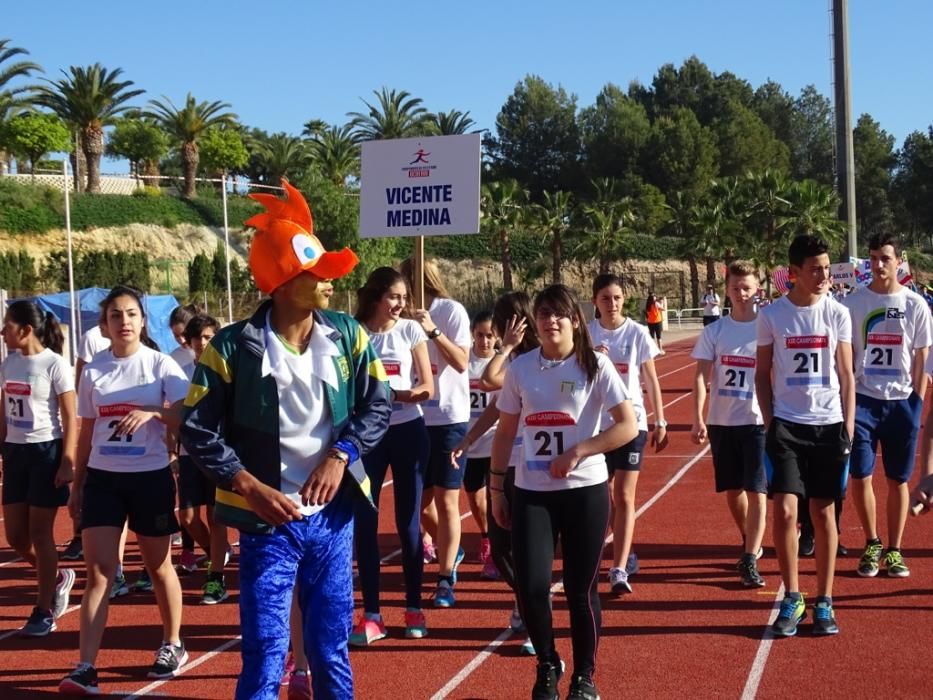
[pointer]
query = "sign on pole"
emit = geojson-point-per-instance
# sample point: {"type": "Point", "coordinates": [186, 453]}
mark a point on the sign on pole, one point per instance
{"type": "Point", "coordinates": [420, 186]}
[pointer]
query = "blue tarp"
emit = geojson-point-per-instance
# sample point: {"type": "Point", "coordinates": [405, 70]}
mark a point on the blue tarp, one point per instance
{"type": "Point", "coordinates": [158, 309]}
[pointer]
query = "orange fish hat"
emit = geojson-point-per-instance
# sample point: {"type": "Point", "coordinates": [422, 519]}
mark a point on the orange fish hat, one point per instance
{"type": "Point", "coordinates": [285, 245]}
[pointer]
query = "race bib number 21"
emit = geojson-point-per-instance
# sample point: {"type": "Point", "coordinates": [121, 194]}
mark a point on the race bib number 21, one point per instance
{"type": "Point", "coordinates": [809, 355]}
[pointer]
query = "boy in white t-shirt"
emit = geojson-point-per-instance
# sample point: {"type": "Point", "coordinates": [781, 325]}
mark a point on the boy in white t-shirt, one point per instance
{"type": "Point", "coordinates": [806, 392]}
{"type": "Point", "coordinates": [725, 354]}
{"type": "Point", "coordinates": [711, 306]}
{"type": "Point", "coordinates": [893, 334]}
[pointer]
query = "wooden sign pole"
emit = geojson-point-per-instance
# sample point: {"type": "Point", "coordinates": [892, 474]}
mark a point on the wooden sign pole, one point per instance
{"type": "Point", "coordinates": [418, 291]}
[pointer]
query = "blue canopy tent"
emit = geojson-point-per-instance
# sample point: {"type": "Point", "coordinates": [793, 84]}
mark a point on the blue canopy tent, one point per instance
{"type": "Point", "coordinates": [158, 308]}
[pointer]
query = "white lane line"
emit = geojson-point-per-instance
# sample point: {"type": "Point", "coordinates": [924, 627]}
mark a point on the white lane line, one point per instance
{"type": "Point", "coordinates": [675, 371]}
{"type": "Point", "coordinates": [478, 660]}
{"type": "Point", "coordinates": [11, 562]}
{"type": "Point", "coordinates": [145, 690]}
{"type": "Point", "coordinates": [10, 633]}
{"type": "Point", "coordinates": [764, 648]}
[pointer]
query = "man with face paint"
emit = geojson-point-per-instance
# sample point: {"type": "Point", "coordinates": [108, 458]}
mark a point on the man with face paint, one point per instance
{"type": "Point", "coordinates": [281, 407]}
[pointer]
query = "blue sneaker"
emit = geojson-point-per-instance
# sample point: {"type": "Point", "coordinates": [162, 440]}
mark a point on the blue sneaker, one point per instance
{"type": "Point", "coordinates": [793, 610]}
{"type": "Point", "coordinates": [824, 622]}
{"type": "Point", "coordinates": [457, 561]}
{"type": "Point", "coordinates": [444, 595]}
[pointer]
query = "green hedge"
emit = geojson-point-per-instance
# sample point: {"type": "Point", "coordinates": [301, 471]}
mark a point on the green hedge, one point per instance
{"type": "Point", "coordinates": [30, 208]}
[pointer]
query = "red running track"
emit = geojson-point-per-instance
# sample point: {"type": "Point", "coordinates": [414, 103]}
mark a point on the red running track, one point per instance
{"type": "Point", "coordinates": [689, 628]}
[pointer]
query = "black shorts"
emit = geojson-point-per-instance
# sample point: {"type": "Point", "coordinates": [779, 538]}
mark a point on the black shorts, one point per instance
{"type": "Point", "coordinates": [811, 461]}
{"type": "Point", "coordinates": [29, 474]}
{"type": "Point", "coordinates": [654, 329]}
{"type": "Point", "coordinates": [475, 477]}
{"type": "Point", "coordinates": [628, 457]}
{"type": "Point", "coordinates": [146, 499]}
{"type": "Point", "coordinates": [194, 488]}
{"type": "Point", "coordinates": [738, 457]}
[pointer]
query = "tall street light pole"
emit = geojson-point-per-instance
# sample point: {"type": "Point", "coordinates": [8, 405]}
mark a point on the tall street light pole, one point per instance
{"type": "Point", "coordinates": [845, 159]}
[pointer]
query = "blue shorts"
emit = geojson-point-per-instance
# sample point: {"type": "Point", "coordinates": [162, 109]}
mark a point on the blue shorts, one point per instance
{"type": "Point", "coordinates": [628, 457]}
{"type": "Point", "coordinates": [441, 473]}
{"type": "Point", "coordinates": [896, 424]}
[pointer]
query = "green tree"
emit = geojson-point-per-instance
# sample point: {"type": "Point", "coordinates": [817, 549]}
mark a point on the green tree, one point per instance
{"type": "Point", "coordinates": [222, 150]}
{"type": "Point", "coordinates": [873, 149]}
{"type": "Point", "coordinates": [452, 122]}
{"type": "Point", "coordinates": [769, 217]}
{"type": "Point", "coordinates": [282, 155]}
{"type": "Point", "coordinates": [814, 209]}
{"type": "Point", "coordinates": [690, 87]}
{"type": "Point", "coordinates": [680, 221]}
{"type": "Point", "coordinates": [776, 108]}
{"type": "Point", "coordinates": [537, 138]}
{"type": "Point", "coordinates": [32, 135]}
{"type": "Point", "coordinates": [502, 203]}
{"type": "Point", "coordinates": [607, 222]}
{"type": "Point", "coordinates": [140, 141]}
{"type": "Point", "coordinates": [614, 133]}
{"type": "Point", "coordinates": [681, 154]}
{"type": "Point", "coordinates": [336, 153]}
{"type": "Point", "coordinates": [746, 143]}
{"type": "Point", "coordinates": [395, 115]}
{"type": "Point", "coordinates": [186, 125]}
{"type": "Point", "coordinates": [811, 150]}
{"type": "Point", "coordinates": [13, 99]}
{"type": "Point", "coordinates": [88, 98]}
{"type": "Point", "coordinates": [913, 187]}
{"type": "Point", "coordinates": [200, 274]}
{"type": "Point", "coordinates": [552, 218]}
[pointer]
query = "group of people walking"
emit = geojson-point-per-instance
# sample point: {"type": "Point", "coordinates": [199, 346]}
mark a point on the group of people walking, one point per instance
{"type": "Point", "coordinates": [284, 426]}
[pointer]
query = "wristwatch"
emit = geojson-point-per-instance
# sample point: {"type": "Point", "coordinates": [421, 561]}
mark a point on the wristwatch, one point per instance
{"type": "Point", "coordinates": [660, 424]}
{"type": "Point", "coordinates": [436, 333]}
{"type": "Point", "coordinates": [338, 454]}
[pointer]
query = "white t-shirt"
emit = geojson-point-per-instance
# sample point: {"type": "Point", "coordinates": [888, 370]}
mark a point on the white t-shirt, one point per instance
{"type": "Point", "coordinates": [110, 388]}
{"type": "Point", "coordinates": [395, 348]}
{"type": "Point", "coordinates": [305, 421]}
{"type": "Point", "coordinates": [479, 400]}
{"type": "Point", "coordinates": [31, 387]}
{"type": "Point", "coordinates": [711, 304]}
{"type": "Point", "coordinates": [558, 409]}
{"type": "Point", "coordinates": [804, 379]}
{"type": "Point", "coordinates": [629, 347]}
{"type": "Point", "coordinates": [731, 346]}
{"type": "Point", "coordinates": [451, 402]}
{"type": "Point", "coordinates": [92, 342]}
{"type": "Point", "coordinates": [888, 329]}
{"type": "Point", "coordinates": [185, 359]}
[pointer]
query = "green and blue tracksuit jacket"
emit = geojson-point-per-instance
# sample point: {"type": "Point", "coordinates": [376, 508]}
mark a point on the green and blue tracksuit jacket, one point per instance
{"type": "Point", "coordinates": [231, 418]}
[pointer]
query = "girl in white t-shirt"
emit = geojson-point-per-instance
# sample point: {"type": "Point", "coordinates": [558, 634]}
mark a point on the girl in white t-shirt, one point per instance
{"type": "Point", "coordinates": [402, 346]}
{"type": "Point", "coordinates": [632, 352]}
{"type": "Point", "coordinates": [128, 396]}
{"type": "Point", "coordinates": [38, 431]}
{"type": "Point", "coordinates": [557, 396]}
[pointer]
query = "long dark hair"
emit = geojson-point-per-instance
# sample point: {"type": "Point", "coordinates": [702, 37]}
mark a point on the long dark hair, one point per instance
{"type": "Point", "coordinates": [124, 291]}
{"type": "Point", "coordinates": [43, 324]}
{"type": "Point", "coordinates": [563, 301]}
{"type": "Point", "coordinates": [600, 283]}
{"type": "Point", "coordinates": [515, 304]}
{"type": "Point", "coordinates": [183, 314]}
{"type": "Point", "coordinates": [650, 300]}
{"type": "Point", "coordinates": [377, 284]}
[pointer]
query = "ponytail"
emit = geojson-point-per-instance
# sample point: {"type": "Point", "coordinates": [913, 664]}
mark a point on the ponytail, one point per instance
{"type": "Point", "coordinates": [50, 334]}
{"type": "Point", "coordinates": [44, 325]}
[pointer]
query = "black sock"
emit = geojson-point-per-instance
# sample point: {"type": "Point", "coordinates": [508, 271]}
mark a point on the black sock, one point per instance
{"type": "Point", "coordinates": [449, 579]}
{"type": "Point", "coordinates": [869, 543]}
{"type": "Point", "coordinates": [483, 534]}
{"type": "Point", "coordinates": [824, 599]}
{"type": "Point", "coordinates": [894, 549]}
{"type": "Point", "coordinates": [215, 576]}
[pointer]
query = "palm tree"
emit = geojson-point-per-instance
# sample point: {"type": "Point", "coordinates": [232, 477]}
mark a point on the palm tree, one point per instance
{"type": "Point", "coordinates": [282, 155]}
{"type": "Point", "coordinates": [397, 115]}
{"type": "Point", "coordinates": [336, 152]}
{"type": "Point", "coordinates": [185, 125]}
{"type": "Point", "coordinates": [552, 218]}
{"type": "Point", "coordinates": [680, 219]}
{"type": "Point", "coordinates": [13, 100]}
{"type": "Point", "coordinates": [89, 99]}
{"type": "Point", "coordinates": [768, 220]}
{"type": "Point", "coordinates": [502, 213]}
{"type": "Point", "coordinates": [813, 209]}
{"type": "Point", "coordinates": [452, 122]}
{"type": "Point", "coordinates": [607, 222]}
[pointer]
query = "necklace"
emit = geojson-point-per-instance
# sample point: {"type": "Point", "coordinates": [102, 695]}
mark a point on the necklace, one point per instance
{"type": "Point", "coordinates": [546, 364]}
{"type": "Point", "coordinates": [294, 349]}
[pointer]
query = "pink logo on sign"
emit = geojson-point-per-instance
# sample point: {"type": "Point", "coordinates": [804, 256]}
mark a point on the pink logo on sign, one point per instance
{"type": "Point", "coordinates": [885, 339]}
{"type": "Point", "coordinates": [550, 419]}
{"type": "Point", "coordinates": [737, 361]}
{"type": "Point", "coordinates": [807, 341]}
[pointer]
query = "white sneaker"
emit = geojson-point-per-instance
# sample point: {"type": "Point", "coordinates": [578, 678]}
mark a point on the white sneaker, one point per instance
{"type": "Point", "coordinates": [631, 564]}
{"type": "Point", "coordinates": [528, 649]}
{"type": "Point", "coordinates": [618, 581]}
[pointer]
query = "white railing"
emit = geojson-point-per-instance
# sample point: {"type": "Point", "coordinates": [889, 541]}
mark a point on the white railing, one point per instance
{"type": "Point", "coordinates": [689, 315]}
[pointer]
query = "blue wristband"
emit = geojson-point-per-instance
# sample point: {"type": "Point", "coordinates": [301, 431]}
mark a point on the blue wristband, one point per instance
{"type": "Point", "coordinates": [349, 448]}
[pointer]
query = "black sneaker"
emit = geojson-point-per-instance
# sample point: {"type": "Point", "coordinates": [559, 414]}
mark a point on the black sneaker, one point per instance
{"type": "Point", "coordinates": [81, 681]}
{"type": "Point", "coordinates": [169, 658]}
{"type": "Point", "coordinates": [546, 684]}
{"type": "Point", "coordinates": [824, 621]}
{"type": "Point", "coordinates": [74, 551]}
{"type": "Point", "coordinates": [806, 545]}
{"type": "Point", "coordinates": [748, 571]}
{"type": "Point", "coordinates": [39, 624]}
{"type": "Point", "coordinates": [792, 611]}
{"type": "Point", "coordinates": [582, 688]}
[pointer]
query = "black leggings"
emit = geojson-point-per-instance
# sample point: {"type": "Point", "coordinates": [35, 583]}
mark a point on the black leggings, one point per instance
{"type": "Point", "coordinates": [500, 541]}
{"type": "Point", "coordinates": [579, 517]}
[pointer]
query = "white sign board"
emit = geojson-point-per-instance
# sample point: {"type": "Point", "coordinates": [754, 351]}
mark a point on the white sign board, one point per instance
{"type": "Point", "coordinates": [420, 187]}
{"type": "Point", "coordinates": [843, 273]}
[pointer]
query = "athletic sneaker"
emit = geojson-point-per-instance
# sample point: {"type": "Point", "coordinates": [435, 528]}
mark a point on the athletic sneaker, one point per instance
{"type": "Point", "coordinates": [490, 571]}
{"type": "Point", "coordinates": [444, 595]}
{"type": "Point", "coordinates": [748, 571]}
{"type": "Point", "coordinates": [63, 586]}
{"type": "Point", "coordinates": [461, 555]}
{"type": "Point", "coordinates": [806, 545]}
{"type": "Point", "coordinates": [39, 624]}
{"type": "Point", "coordinates": [824, 622]}
{"type": "Point", "coordinates": [618, 581]}
{"type": "Point", "coordinates": [176, 539]}
{"type": "Point", "coordinates": [187, 562]}
{"type": "Point", "coordinates": [74, 551]}
{"type": "Point", "coordinates": [546, 683]}
{"type": "Point", "coordinates": [416, 627]}
{"type": "Point", "coordinates": [368, 630]}
{"type": "Point", "coordinates": [791, 613]}
{"type": "Point", "coordinates": [289, 668]}
{"type": "Point", "coordinates": [214, 589]}
{"type": "Point", "coordinates": [582, 688]}
{"type": "Point", "coordinates": [81, 681]}
{"type": "Point", "coordinates": [528, 648]}
{"type": "Point", "coordinates": [143, 584]}
{"type": "Point", "coordinates": [119, 587]}
{"type": "Point", "coordinates": [169, 658]}
{"type": "Point", "coordinates": [299, 685]}
{"type": "Point", "coordinates": [429, 552]}
{"type": "Point", "coordinates": [516, 623]}
{"type": "Point", "coordinates": [894, 564]}
{"type": "Point", "coordinates": [631, 564]}
{"type": "Point", "coordinates": [868, 564]}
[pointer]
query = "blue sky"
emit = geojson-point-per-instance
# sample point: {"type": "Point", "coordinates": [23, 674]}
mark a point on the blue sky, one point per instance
{"type": "Point", "coordinates": [282, 63]}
